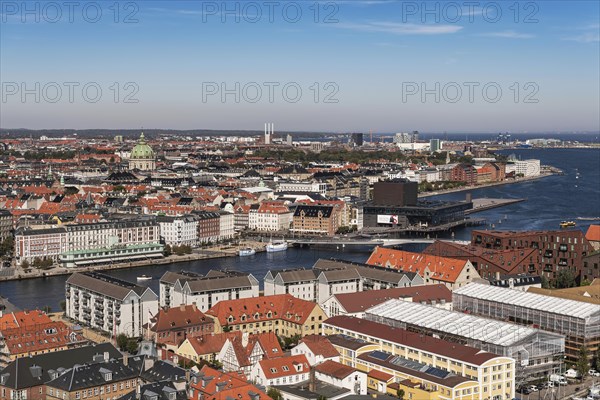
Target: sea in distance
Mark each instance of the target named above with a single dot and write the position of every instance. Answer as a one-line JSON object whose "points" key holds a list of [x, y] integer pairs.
{"points": [[550, 200]]}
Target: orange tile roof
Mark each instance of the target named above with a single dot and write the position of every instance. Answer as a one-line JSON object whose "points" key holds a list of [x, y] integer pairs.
{"points": [[179, 317], [440, 268], [40, 337], [23, 318], [211, 344], [284, 366], [593, 233], [320, 345], [379, 375], [236, 386], [334, 369], [266, 308]]}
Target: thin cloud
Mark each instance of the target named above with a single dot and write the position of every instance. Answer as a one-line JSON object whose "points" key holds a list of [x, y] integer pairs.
{"points": [[589, 37], [400, 29], [508, 35]]}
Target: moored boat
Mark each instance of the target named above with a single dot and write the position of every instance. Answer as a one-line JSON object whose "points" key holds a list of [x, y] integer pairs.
{"points": [[248, 251], [144, 278], [273, 247]]}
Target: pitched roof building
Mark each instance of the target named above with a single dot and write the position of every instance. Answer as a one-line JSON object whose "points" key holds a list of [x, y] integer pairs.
{"points": [[283, 314], [451, 272]]}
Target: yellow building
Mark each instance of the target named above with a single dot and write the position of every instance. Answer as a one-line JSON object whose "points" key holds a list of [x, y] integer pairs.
{"points": [[423, 366], [283, 314]]}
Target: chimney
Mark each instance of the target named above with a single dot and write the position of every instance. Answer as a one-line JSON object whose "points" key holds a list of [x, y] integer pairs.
{"points": [[497, 275], [106, 356], [194, 306], [148, 363], [182, 307], [312, 383], [125, 360], [245, 337]]}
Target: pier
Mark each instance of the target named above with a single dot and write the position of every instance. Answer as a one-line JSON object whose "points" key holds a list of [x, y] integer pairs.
{"points": [[343, 242], [480, 205]]}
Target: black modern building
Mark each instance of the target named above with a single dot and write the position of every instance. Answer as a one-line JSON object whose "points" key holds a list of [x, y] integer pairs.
{"points": [[396, 204]]}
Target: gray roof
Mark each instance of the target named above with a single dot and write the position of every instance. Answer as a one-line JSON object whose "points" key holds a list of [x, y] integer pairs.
{"points": [[92, 375], [296, 275], [19, 373], [365, 271], [172, 277], [159, 389], [334, 275], [105, 285], [218, 283]]}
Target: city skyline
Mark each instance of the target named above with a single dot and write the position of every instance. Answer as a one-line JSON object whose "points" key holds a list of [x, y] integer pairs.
{"points": [[360, 66]]}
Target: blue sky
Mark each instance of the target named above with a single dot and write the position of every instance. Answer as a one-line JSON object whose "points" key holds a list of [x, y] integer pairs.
{"points": [[376, 65]]}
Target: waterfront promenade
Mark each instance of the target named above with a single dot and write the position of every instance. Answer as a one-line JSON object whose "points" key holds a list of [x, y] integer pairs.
{"points": [[485, 185], [7, 274]]}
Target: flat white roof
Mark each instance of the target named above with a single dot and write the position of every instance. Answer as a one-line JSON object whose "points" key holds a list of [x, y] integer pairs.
{"points": [[456, 323], [534, 301]]}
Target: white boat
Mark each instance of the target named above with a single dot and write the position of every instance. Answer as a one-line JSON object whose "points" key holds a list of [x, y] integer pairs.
{"points": [[144, 278], [274, 247], [248, 251]]}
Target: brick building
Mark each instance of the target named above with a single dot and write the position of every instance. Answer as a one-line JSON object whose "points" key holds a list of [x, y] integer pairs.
{"points": [[315, 220], [556, 250], [209, 226]]}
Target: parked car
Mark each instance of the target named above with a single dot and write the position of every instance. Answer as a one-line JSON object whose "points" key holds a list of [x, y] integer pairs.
{"points": [[524, 390], [593, 372], [532, 388], [571, 374]]}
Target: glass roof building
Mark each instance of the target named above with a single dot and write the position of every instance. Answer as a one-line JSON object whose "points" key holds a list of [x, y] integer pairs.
{"points": [[578, 321], [537, 353]]}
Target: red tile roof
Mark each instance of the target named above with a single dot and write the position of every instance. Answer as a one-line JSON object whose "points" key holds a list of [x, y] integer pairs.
{"points": [[593, 233], [179, 317], [320, 345], [266, 308], [335, 369], [357, 302], [411, 339], [284, 366], [441, 268], [379, 375], [236, 386]]}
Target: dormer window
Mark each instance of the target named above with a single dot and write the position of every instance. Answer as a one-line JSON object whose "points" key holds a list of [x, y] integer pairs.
{"points": [[274, 370], [108, 376], [285, 368]]}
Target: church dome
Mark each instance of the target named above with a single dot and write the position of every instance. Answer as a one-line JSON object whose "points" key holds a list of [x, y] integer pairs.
{"points": [[142, 151]]}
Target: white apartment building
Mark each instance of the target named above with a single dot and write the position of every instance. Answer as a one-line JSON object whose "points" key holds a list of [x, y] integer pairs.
{"points": [[528, 167], [206, 291], [85, 244], [226, 225], [177, 231], [270, 217], [109, 304], [303, 187], [330, 277]]}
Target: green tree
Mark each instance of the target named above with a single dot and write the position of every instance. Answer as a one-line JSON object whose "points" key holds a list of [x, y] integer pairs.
{"points": [[132, 346], [25, 264], [400, 393], [47, 309], [585, 282], [122, 341], [583, 365], [274, 394], [322, 397], [167, 251], [565, 279], [63, 305], [545, 282], [7, 246]]}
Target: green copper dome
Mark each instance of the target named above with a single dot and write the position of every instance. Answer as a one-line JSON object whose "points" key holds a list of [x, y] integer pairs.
{"points": [[142, 150]]}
